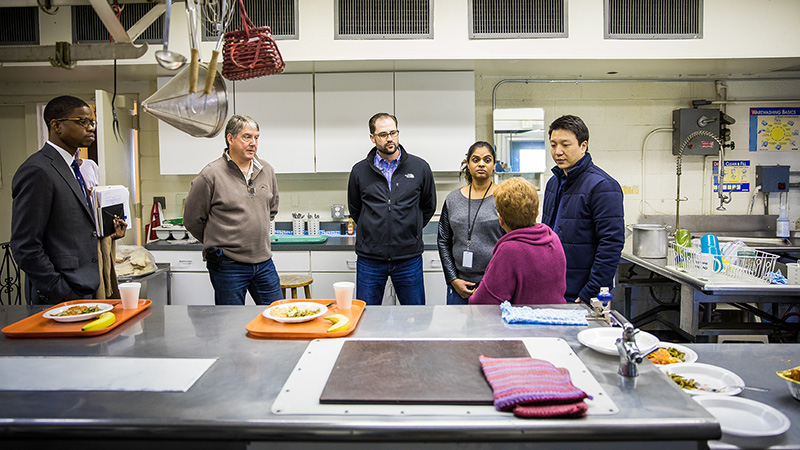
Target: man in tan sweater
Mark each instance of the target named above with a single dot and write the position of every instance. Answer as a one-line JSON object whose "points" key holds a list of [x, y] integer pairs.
{"points": [[229, 208]]}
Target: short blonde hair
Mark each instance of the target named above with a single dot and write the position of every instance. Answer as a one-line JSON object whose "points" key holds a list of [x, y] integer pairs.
{"points": [[517, 201]]}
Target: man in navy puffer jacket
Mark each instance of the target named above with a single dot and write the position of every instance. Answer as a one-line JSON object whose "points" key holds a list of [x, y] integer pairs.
{"points": [[583, 205]]}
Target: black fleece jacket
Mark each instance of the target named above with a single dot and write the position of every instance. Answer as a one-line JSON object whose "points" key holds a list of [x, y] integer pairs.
{"points": [[389, 223]]}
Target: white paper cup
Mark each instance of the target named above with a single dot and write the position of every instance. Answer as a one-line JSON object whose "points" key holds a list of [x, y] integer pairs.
{"points": [[344, 294], [130, 295]]}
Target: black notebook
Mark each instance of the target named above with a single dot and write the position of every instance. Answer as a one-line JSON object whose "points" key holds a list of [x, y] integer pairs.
{"points": [[106, 217]]}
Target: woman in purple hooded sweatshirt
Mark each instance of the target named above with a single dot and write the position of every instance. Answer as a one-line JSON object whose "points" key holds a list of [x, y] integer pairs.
{"points": [[528, 265]]}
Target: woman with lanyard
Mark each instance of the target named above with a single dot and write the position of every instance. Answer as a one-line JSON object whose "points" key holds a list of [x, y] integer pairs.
{"points": [[468, 226]]}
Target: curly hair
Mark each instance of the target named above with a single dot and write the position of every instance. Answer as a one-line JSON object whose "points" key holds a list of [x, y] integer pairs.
{"points": [[465, 163], [517, 201], [60, 107]]}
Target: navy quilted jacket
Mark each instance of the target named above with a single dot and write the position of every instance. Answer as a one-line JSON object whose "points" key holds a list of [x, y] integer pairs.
{"points": [[591, 225]]}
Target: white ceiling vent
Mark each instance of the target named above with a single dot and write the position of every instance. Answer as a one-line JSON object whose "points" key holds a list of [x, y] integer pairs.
{"points": [[88, 28], [384, 19], [492, 19], [19, 26], [654, 19], [279, 15]]}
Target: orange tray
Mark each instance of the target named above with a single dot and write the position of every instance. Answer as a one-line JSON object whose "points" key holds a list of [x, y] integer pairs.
{"points": [[318, 328], [37, 326]]}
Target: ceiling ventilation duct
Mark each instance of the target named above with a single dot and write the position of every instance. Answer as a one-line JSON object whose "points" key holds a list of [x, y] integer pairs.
{"points": [[279, 15], [386, 19], [19, 26], [654, 19], [493, 19]]}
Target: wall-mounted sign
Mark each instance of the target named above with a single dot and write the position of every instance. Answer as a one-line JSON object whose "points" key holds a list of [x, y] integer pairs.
{"points": [[774, 129], [737, 178]]}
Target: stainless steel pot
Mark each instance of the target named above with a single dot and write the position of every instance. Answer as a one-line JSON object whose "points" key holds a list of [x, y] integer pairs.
{"points": [[649, 240]]}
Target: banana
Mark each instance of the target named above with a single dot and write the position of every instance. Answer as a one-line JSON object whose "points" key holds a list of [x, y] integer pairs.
{"points": [[105, 320], [340, 323]]}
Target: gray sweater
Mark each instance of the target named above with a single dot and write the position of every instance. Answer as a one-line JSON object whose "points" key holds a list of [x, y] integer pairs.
{"points": [[223, 211], [453, 231]]}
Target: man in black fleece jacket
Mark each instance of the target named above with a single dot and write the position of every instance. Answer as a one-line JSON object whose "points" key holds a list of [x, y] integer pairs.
{"points": [[391, 197]]}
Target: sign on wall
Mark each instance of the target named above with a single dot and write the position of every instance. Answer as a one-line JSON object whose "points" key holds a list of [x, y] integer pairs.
{"points": [[736, 176], [774, 129]]}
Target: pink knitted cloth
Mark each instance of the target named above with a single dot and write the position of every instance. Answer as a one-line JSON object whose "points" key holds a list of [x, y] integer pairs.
{"points": [[533, 388]]}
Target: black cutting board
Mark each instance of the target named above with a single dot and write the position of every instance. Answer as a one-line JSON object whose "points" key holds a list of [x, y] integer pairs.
{"points": [[418, 372]]}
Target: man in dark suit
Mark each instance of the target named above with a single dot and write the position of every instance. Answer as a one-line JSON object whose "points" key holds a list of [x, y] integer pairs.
{"points": [[52, 225]]}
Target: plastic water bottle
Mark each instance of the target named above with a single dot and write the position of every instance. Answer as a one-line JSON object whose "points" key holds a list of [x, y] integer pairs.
{"points": [[604, 296]]}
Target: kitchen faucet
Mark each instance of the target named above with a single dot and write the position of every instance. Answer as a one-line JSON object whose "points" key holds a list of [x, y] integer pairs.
{"points": [[629, 354], [722, 198]]}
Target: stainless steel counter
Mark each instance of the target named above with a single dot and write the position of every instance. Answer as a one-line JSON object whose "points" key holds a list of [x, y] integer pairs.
{"points": [[232, 401], [696, 291]]}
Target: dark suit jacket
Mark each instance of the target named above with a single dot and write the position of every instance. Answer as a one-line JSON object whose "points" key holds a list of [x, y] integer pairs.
{"points": [[52, 230]]}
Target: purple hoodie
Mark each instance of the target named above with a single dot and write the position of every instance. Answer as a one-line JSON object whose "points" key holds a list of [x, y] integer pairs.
{"points": [[528, 266]]}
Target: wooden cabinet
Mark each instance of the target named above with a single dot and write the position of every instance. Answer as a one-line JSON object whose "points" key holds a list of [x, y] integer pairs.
{"points": [[344, 103]]}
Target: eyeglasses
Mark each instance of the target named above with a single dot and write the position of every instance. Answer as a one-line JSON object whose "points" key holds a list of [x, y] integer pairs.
{"points": [[385, 135], [250, 188], [82, 121]]}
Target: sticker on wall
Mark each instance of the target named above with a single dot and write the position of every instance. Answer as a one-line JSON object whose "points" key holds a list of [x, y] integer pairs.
{"points": [[774, 129], [737, 178]]}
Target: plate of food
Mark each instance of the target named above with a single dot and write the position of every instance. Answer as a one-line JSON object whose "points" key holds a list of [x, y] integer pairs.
{"points": [[702, 379], [669, 353], [295, 312], [604, 340], [77, 312]]}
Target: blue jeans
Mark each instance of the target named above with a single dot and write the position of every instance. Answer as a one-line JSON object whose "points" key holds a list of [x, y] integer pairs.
{"points": [[454, 299], [234, 279], [371, 276]]}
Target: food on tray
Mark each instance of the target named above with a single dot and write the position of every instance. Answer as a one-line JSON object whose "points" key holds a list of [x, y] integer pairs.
{"points": [[340, 323], [105, 320], [667, 355], [294, 311], [686, 383], [792, 374], [77, 309]]}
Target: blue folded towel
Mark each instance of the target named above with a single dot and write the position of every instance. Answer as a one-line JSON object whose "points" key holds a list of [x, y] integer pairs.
{"points": [[543, 316]]}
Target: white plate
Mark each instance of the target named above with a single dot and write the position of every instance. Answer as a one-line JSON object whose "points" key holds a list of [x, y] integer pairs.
{"points": [[78, 317], [604, 340], [744, 422], [706, 376], [268, 312], [689, 355]]}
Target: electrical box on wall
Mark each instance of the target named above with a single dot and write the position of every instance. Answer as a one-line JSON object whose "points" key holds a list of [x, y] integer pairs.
{"points": [[773, 178], [687, 121]]}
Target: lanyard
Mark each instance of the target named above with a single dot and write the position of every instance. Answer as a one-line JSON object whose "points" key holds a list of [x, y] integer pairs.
{"points": [[471, 226]]}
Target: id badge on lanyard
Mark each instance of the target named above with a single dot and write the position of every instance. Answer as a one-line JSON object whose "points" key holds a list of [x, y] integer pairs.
{"points": [[467, 259]]}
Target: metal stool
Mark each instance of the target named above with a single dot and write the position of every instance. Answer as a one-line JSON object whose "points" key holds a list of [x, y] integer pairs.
{"points": [[295, 281]]}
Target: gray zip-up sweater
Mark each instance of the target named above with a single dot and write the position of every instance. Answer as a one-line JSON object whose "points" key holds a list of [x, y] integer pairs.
{"points": [[227, 211]]}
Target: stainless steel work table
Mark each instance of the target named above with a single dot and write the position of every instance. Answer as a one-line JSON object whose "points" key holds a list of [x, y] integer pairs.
{"points": [[231, 401], [695, 291]]}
